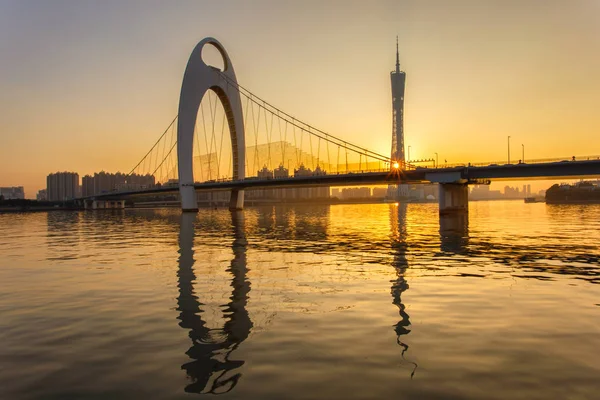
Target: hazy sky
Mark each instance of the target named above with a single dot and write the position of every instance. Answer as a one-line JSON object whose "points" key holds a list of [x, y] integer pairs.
{"points": [[90, 85]]}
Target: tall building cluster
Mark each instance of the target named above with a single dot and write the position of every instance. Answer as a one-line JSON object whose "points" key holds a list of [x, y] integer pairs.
{"points": [[483, 192], [62, 186], [320, 192], [289, 194], [275, 194], [12, 193], [415, 192], [104, 182]]}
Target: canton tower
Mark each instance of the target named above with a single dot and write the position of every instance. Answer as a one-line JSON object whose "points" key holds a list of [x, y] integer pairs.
{"points": [[398, 83]]}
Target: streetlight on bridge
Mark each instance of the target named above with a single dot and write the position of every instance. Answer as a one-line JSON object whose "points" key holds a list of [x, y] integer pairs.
{"points": [[436, 160], [408, 154], [509, 149], [523, 153]]}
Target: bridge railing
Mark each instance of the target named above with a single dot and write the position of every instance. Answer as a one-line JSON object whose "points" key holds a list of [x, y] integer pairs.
{"points": [[386, 169], [515, 162], [256, 178]]}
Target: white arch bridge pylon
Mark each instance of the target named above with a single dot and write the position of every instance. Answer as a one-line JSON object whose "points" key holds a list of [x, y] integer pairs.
{"points": [[197, 80]]}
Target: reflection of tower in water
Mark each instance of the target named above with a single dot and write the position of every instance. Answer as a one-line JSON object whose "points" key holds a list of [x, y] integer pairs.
{"points": [[210, 368], [400, 285]]}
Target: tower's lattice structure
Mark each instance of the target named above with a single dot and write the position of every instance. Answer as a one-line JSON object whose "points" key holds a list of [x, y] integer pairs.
{"points": [[398, 83]]}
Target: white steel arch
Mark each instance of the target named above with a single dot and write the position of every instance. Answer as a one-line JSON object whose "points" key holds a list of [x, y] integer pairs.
{"points": [[197, 80]]}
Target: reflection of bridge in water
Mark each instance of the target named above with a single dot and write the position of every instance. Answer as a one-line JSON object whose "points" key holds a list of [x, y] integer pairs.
{"points": [[211, 369], [213, 366]]}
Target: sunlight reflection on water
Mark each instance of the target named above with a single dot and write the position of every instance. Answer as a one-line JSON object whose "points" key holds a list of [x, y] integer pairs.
{"points": [[345, 301]]}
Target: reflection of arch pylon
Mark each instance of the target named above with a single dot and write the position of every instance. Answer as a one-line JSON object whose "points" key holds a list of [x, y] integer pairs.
{"points": [[197, 80]]}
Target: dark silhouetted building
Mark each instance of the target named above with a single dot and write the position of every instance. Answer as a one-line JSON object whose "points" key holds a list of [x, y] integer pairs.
{"points": [[105, 182], [12, 192], [61, 186], [42, 195]]}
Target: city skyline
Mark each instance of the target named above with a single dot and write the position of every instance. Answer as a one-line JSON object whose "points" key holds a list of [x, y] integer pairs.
{"points": [[98, 97], [300, 199]]}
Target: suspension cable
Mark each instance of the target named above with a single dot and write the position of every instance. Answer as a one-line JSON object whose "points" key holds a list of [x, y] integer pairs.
{"points": [[152, 148], [329, 137]]}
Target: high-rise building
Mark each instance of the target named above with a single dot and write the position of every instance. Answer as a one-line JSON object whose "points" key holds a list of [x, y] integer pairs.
{"points": [[105, 182], [305, 193], [12, 192], [265, 173], [281, 173], [42, 195], [137, 182], [288, 194], [87, 186], [61, 186]]}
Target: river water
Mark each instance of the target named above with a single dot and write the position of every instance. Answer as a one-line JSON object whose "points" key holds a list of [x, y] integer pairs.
{"points": [[302, 302]]}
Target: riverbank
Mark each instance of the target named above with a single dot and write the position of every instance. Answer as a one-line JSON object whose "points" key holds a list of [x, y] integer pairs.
{"points": [[35, 209], [25, 205]]}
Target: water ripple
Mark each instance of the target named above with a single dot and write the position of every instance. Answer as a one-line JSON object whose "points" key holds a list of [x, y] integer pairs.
{"points": [[345, 301]]}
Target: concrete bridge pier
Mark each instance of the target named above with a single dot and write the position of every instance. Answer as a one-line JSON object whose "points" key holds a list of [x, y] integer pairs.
{"points": [[453, 198], [189, 201], [453, 191], [236, 201]]}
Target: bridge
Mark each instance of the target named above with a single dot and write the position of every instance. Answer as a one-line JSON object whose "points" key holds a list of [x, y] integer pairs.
{"points": [[225, 137]]}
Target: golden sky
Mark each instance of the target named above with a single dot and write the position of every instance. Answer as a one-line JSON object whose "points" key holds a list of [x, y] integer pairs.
{"points": [[89, 86]]}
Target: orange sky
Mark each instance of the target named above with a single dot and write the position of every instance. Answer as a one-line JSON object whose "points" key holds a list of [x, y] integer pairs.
{"points": [[90, 86]]}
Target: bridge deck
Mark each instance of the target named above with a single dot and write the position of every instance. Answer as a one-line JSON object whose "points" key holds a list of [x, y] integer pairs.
{"points": [[465, 174]]}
